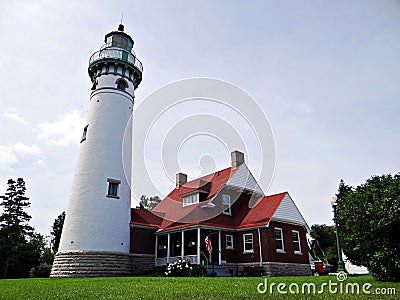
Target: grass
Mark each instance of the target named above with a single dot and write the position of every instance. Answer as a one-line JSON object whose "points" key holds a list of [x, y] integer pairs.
{"points": [[177, 288]]}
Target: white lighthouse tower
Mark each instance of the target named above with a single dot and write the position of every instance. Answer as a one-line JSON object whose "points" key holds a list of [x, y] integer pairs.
{"points": [[95, 239]]}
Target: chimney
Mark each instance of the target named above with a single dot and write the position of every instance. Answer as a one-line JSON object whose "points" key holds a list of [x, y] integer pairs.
{"points": [[237, 158], [180, 179]]}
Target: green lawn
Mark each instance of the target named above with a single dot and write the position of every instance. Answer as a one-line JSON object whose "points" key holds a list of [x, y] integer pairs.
{"points": [[181, 288]]}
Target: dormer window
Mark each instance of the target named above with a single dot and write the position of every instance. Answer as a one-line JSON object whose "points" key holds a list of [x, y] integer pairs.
{"points": [[226, 205], [121, 84], [191, 199]]}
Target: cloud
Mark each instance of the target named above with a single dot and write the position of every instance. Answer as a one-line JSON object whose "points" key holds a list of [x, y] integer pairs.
{"points": [[13, 115], [304, 108], [292, 106], [11, 154], [64, 132]]}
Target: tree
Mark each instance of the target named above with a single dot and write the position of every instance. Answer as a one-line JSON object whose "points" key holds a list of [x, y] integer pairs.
{"points": [[14, 227], [42, 257], [56, 231], [350, 222], [26, 256], [148, 203], [14, 218], [369, 220], [324, 244]]}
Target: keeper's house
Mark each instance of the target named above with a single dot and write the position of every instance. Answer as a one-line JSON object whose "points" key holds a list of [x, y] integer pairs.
{"points": [[251, 234]]}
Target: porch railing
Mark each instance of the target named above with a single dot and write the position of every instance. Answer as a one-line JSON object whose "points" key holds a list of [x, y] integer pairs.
{"points": [[164, 260]]}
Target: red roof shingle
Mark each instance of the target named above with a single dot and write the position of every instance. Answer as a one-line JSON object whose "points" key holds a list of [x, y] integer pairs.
{"points": [[171, 214]]}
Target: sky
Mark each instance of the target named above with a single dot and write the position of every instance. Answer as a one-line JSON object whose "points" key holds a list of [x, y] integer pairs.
{"points": [[325, 74]]}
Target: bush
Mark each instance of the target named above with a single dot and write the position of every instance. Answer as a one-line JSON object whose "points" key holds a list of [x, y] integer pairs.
{"points": [[32, 273], [198, 271], [43, 270], [183, 268]]}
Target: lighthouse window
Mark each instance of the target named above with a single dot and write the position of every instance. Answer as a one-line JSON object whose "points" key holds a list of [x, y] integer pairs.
{"points": [[84, 133], [112, 190], [121, 84]]}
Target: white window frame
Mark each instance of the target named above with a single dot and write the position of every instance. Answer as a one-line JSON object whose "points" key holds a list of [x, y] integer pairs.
{"points": [[279, 250], [296, 241], [113, 182], [229, 241], [190, 199], [226, 205], [244, 243]]}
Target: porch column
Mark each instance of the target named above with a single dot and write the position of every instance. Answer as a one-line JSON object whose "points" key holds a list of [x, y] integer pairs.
{"points": [[183, 244], [219, 247], [156, 250], [198, 245], [260, 246], [168, 248]]}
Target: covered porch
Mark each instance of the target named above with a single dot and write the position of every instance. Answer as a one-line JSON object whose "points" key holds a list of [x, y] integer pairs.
{"points": [[188, 244]]}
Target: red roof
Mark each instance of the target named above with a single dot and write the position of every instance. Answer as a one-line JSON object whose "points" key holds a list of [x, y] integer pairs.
{"points": [[171, 214], [263, 210], [210, 184], [145, 217], [170, 209], [245, 217]]}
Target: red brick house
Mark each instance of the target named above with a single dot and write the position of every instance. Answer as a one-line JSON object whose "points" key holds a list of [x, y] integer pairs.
{"points": [[250, 233]]}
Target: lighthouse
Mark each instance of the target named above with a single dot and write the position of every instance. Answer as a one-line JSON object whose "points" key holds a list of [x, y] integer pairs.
{"points": [[95, 240]]}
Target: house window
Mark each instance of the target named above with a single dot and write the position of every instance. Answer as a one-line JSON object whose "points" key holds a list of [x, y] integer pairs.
{"points": [[84, 133], [226, 204], [229, 241], [248, 243], [112, 190], [191, 199], [296, 241], [121, 84], [280, 247]]}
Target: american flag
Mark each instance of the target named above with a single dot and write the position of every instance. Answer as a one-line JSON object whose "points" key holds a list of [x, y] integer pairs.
{"points": [[207, 240]]}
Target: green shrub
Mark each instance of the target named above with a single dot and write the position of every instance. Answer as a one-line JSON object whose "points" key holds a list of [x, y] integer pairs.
{"points": [[32, 273], [183, 268], [43, 270], [198, 271]]}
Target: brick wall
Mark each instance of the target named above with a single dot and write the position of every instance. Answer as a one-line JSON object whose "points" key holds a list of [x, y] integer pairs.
{"points": [[269, 246], [142, 241]]}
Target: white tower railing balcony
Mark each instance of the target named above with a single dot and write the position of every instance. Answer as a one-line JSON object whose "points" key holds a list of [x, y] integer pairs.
{"points": [[116, 53]]}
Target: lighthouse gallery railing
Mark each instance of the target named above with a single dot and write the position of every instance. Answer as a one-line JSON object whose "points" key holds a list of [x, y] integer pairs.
{"points": [[116, 54]]}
